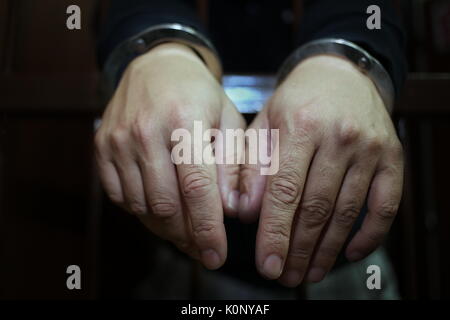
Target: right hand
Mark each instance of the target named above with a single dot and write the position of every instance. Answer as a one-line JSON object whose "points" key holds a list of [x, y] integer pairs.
{"points": [[165, 89]]}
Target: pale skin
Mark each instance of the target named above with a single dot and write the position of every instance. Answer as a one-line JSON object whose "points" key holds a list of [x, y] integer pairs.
{"points": [[337, 146]]}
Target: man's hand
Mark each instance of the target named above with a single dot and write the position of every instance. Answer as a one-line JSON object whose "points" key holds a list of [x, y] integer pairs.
{"points": [[168, 88], [337, 146]]}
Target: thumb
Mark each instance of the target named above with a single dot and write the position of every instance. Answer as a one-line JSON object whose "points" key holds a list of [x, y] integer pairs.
{"points": [[252, 182], [230, 149]]}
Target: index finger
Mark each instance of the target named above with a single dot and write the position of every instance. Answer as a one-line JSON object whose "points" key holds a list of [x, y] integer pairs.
{"points": [[281, 198], [201, 198]]}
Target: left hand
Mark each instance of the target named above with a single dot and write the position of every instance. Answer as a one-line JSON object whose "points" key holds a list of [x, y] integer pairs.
{"points": [[337, 147]]}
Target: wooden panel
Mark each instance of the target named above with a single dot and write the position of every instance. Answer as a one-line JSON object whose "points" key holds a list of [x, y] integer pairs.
{"points": [[425, 94], [58, 93], [44, 44], [46, 206], [441, 173], [48, 192], [3, 32]]}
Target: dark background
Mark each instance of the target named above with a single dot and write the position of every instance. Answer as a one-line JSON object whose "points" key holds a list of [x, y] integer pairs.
{"points": [[52, 211]]}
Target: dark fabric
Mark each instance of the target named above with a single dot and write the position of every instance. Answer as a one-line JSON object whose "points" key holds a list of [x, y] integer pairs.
{"points": [[256, 36], [127, 18], [347, 19]]}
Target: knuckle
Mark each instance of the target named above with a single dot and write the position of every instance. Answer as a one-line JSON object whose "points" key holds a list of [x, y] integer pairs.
{"points": [[196, 184], [179, 116], [387, 212], [392, 169], [99, 142], [306, 120], [136, 207], [397, 150], [284, 189], [349, 133], [141, 132], [204, 230], [115, 197], [277, 231], [346, 216], [300, 253], [330, 252], [315, 210], [118, 139], [375, 237], [163, 207], [374, 144], [100, 150]]}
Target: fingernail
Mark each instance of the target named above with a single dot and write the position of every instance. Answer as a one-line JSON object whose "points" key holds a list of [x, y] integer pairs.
{"points": [[233, 200], [210, 259], [243, 202], [355, 256], [272, 267], [291, 278], [316, 274]]}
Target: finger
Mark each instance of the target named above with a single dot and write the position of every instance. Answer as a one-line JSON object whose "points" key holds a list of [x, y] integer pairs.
{"points": [[347, 208], [166, 218], [203, 202], [280, 201], [322, 186], [108, 175], [230, 150], [383, 201], [252, 182], [129, 173], [200, 193]]}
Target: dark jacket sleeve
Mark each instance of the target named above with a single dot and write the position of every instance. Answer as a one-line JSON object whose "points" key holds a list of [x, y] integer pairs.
{"points": [[346, 19], [126, 18]]}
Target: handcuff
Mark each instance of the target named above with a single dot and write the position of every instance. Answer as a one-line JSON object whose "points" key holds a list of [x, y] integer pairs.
{"points": [[365, 63], [150, 38]]}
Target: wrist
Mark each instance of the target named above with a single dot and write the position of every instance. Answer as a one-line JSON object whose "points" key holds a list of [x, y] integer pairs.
{"points": [[332, 80], [171, 49], [350, 51], [330, 64], [333, 73], [139, 44]]}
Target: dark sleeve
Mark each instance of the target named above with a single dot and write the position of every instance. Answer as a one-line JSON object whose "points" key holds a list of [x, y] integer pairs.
{"points": [[346, 19], [126, 18]]}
